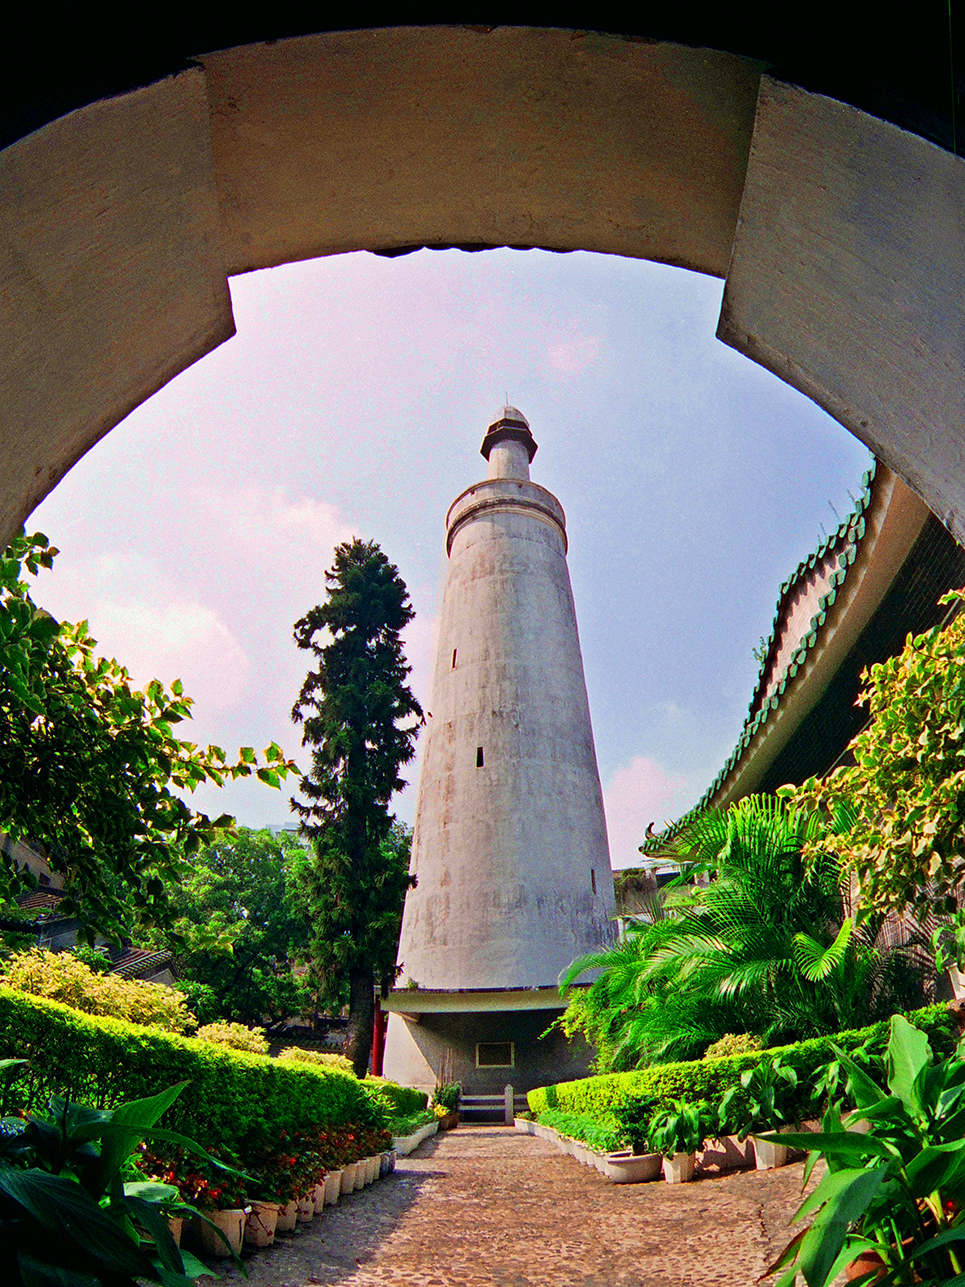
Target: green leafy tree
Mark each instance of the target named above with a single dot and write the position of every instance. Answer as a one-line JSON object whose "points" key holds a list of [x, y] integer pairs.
{"points": [[900, 807], [361, 720], [241, 894], [89, 766]]}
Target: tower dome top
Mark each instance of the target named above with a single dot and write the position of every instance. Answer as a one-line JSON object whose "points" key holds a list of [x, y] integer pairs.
{"points": [[509, 425], [512, 414]]}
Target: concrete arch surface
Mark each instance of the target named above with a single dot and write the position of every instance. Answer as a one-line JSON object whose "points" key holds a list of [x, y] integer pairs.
{"points": [[839, 234]]}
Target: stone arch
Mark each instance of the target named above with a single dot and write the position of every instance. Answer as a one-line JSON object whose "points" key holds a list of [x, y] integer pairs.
{"points": [[839, 235]]}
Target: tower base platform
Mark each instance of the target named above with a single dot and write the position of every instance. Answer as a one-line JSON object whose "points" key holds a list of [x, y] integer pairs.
{"points": [[483, 1049]]}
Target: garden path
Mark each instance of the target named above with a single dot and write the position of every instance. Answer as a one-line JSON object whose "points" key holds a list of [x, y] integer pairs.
{"points": [[484, 1206]]}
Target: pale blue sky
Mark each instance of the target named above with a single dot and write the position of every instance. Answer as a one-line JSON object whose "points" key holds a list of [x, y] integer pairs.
{"points": [[353, 402]]}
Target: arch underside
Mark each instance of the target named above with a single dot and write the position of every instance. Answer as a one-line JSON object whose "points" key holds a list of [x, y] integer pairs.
{"points": [[839, 234]]}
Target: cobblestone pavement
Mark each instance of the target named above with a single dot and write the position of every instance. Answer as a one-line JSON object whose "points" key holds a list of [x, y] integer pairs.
{"points": [[488, 1207]]}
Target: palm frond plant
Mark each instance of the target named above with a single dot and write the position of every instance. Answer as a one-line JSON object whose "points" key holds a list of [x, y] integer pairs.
{"points": [[765, 942]]}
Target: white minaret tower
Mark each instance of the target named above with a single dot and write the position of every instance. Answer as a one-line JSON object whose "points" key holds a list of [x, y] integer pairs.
{"points": [[510, 847]]}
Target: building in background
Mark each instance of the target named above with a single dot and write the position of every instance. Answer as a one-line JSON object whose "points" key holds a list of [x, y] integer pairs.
{"points": [[851, 604]]}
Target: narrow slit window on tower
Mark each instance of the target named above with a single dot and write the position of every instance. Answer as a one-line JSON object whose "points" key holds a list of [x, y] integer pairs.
{"points": [[593, 879], [454, 658], [479, 757]]}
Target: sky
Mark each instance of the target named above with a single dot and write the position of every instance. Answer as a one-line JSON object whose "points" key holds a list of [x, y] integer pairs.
{"points": [[353, 402]]}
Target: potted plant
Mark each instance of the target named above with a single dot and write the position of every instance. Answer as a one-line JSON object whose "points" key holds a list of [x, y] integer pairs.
{"points": [[638, 1163], [762, 1102], [892, 1203], [448, 1097], [274, 1167], [633, 1117], [677, 1132], [327, 1145], [220, 1200]]}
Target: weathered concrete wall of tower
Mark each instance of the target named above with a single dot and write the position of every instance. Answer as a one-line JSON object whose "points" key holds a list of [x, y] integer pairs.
{"points": [[510, 846]]}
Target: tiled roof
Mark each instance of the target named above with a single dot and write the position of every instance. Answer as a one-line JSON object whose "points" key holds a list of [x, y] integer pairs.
{"points": [[841, 547], [40, 900], [136, 962]]}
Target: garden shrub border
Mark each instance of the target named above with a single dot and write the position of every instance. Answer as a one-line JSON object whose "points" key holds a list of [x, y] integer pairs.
{"points": [[232, 1095], [398, 1101], [709, 1079]]}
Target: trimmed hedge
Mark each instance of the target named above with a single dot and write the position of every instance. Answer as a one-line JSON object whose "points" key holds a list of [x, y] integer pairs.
{"points": [[399, 1101], [232, 1095], [577, 1126], [709, 1078]]}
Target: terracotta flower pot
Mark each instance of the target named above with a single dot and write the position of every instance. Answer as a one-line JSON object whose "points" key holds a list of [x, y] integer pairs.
{"points": [[866, 1263], [333, 1187], [287, 1217], [318, 1194], [306, 1207], [261, 1224], [348, 1177]]}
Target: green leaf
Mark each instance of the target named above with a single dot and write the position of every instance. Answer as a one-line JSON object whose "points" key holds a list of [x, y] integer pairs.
{"points": [[841, 1145], [156, 1226], [909, 1056], [151, 1191], [940, 1240], [40, 1273], [65, 1209], [936, 1167], [816, 963], [843, 1197]]}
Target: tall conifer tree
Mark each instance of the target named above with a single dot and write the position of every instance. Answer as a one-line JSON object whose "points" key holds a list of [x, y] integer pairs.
{"points": [[361, 721]]}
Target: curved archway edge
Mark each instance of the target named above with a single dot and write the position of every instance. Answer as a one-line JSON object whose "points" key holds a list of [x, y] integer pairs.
{"points": [[839, 235]]}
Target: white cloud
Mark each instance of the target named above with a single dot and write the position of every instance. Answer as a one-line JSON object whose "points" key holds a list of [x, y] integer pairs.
{"points": [[573, 356], [151, 625], [177, 639], [638, 794], [257, 518]]}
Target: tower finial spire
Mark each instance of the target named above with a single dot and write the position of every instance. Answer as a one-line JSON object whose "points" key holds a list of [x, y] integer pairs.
{"points": [[511, 433]]}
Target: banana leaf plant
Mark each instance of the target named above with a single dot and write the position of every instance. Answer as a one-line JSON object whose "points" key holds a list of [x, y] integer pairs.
{"points": [[893, 1198], [68, 1218]]}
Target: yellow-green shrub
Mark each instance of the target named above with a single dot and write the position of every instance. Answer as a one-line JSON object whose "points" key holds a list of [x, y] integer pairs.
{"points": [[321, 1058], [733, 1043], [61, 976], [235, 1036]]}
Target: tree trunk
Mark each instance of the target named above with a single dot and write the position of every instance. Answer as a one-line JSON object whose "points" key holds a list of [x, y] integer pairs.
{"points": [[361, 1018]]}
